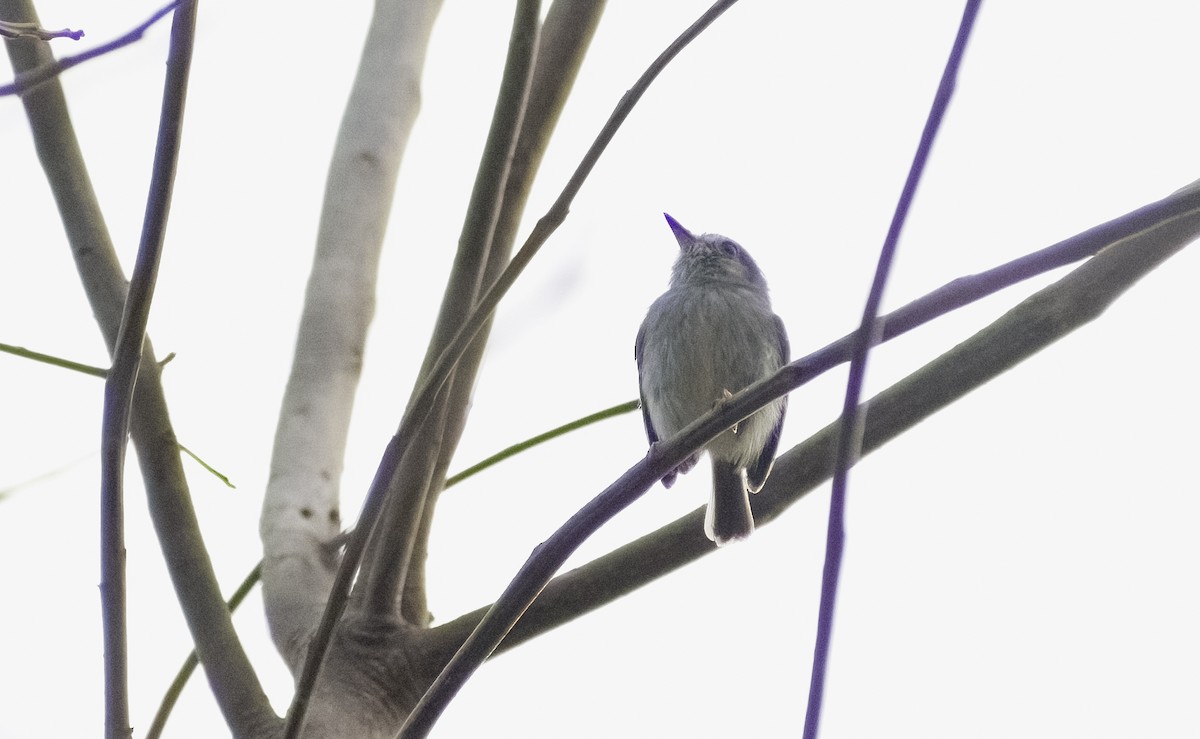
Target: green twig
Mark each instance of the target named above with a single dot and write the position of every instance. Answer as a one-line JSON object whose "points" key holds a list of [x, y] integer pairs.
{"points": [[43, 476], [50, 359], [500, 456], [208, 467], [189, 665]]}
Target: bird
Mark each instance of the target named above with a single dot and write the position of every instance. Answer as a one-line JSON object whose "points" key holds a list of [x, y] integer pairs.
{"points": [[710, 335]]}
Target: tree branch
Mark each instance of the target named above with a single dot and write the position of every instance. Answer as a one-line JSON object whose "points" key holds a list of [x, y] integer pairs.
{"points": [[233, 680], [1126, 249], [563, 41], [121, 380], [389, 554], [566, 35], [849, 446], [300, 510]]}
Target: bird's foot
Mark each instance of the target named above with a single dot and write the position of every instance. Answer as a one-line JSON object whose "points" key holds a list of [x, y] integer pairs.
{"points": [[725, 397]]}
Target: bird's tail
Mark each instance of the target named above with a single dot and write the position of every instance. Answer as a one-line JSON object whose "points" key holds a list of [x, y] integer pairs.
{"points": [[728, 516]]}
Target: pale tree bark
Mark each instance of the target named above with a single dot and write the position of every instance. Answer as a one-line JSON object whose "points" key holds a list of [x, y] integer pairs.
{"points": [[301, 516]]}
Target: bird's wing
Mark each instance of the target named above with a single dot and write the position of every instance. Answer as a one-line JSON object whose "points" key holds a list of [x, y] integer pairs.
{"points": [[637, 355], [756, 475]]}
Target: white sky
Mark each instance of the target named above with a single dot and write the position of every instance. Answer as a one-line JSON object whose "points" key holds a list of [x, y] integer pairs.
{"points": [[1021, 564]]}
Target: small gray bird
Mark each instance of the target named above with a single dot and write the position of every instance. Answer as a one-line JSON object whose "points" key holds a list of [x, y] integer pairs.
{"points": [[712, 334]]}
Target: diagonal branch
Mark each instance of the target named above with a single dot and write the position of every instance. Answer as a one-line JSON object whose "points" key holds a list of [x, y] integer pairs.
{"points": [[564, 40], [565, 36], [387, 561], [1125, 249]]}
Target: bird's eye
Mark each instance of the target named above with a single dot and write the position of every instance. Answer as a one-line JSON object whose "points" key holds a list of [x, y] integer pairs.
{"points": [[729, 248]]}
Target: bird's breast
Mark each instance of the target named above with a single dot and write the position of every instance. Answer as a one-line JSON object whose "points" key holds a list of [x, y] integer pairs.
{"points": [[699, 343]]}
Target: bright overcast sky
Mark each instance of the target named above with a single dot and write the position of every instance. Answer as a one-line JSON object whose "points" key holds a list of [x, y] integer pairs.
{"points": [[1021, 564]]}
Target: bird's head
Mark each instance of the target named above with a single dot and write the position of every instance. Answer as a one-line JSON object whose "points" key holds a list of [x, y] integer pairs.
{"points": [[712, 258]]}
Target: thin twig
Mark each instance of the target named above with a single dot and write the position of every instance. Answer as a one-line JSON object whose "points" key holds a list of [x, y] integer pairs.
{"points": [[191, 662], [88, 369], [9, 29], [620, 409], [50, 359], [850, 438], [54, 361], [25, 81], [208, 467]]}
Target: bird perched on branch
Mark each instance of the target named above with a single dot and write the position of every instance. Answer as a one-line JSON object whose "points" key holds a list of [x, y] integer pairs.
{"points": [[711, 334]]}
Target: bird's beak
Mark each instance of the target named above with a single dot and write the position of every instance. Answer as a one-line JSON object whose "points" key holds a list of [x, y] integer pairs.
{"points": [[682, 235]]}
